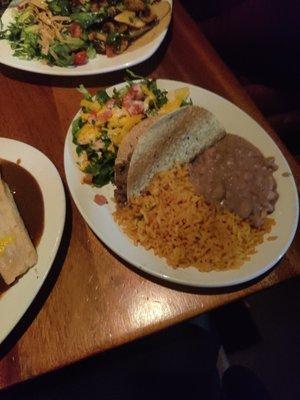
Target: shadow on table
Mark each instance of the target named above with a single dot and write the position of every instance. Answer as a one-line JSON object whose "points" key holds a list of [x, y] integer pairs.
{"points": [[172, 364], [46, 288], [99, 80]]}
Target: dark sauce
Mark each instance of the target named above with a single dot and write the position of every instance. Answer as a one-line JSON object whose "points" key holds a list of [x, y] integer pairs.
{"points": [[29, 200]]}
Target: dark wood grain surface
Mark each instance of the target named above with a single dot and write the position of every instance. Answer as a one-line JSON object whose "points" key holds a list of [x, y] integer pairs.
{"points": [[91, 300]]}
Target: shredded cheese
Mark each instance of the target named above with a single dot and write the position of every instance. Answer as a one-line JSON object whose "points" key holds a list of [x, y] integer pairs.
{"points": [[48, 26]]}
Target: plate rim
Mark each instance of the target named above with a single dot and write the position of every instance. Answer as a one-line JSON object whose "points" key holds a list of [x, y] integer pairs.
{"points": [[238, 281], [54, 250], [65, 72]]}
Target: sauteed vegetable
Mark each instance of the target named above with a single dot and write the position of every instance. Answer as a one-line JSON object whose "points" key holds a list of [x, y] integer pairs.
{"points": [[70, 32]]}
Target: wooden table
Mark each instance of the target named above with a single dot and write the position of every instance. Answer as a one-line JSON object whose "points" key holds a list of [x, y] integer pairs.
{"points": [[92, 302]]}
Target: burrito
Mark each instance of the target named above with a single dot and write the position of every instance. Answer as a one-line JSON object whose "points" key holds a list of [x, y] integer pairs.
{"points": [[17, 253]]}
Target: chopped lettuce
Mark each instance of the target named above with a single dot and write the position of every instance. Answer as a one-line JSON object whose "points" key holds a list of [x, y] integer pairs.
{"points": [[102, 96], [60, 7], [25, 42], [64, 57], [160, 95], [87, 19], [76, 126], [91, 52], [84, 92], [99, 161], [74, 43], [102, 168]]}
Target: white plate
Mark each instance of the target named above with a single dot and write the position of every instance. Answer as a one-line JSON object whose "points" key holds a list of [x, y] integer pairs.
{"points": [[15, 301], [236, 121], [99, 65]]}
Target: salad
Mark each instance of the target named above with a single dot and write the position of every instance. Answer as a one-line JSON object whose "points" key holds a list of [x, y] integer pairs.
{"points": [[106, 119], [71, 32]]}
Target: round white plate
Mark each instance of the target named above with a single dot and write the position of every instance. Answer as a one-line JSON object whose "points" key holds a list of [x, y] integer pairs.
{"points": [[15, 301], [234, 120], [99, 65]]}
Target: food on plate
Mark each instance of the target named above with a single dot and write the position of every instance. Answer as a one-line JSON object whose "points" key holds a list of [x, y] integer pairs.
{"points": [[175, 137], [17, 253], [236, 175], [179, 225], [194, 194], [106, 120], [71, 32], [184, 188], [124, 155], [100, 199]]}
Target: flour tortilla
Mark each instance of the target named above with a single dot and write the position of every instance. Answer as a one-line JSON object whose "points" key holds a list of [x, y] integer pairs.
{"points": [[176, 137]]}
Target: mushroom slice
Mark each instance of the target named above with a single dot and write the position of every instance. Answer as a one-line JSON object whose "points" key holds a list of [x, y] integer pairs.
{"points": [[135, 33], [129, 18], [160, 9], [147, 15], [122, 47], [135, 5]]}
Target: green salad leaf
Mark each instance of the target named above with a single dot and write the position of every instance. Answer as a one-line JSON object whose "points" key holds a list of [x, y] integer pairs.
{"points": [[130, 75], [76, 126], [59, 7], [87, 19], [102, 96], [91, 52], [74, 43], [25, 47], [64, 57], [160, 95], [84, 92], [114, 39], [102, 168], [187, 102]]}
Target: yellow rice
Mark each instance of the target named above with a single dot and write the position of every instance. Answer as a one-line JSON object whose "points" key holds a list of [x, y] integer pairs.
{"points": [[177, 224]]}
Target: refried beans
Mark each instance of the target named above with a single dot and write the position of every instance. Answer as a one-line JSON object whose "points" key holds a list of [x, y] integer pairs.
{"points": [[235, 174]]}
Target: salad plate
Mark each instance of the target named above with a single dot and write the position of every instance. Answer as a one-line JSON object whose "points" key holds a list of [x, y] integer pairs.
{"points": [[101, 220], [140, 50], [16, 299]]}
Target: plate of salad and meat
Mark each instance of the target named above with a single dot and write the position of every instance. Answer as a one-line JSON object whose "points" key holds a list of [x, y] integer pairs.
{"points": [[150, 166], [81, 37]]}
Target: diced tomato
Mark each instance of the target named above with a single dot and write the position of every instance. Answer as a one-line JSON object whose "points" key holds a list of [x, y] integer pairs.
{"points": [[104, 116], [135, 107], [137, 92], [80, 58], [127, 99], [132, 101], [110, 51], [110, 103], [75, 30], [100, 199]]}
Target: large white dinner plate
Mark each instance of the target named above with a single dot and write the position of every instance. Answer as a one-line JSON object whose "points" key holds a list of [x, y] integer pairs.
{"points": [[99, 65], [235, 120], [15, 301]]}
